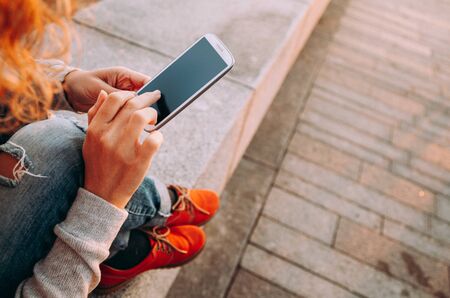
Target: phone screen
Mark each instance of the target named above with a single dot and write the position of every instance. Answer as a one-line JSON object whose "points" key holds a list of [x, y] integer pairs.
{"points": [[183, 78]]}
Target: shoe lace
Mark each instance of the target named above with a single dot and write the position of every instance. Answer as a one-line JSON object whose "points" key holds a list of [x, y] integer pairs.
{"points": [[159, 234], [184, 200]]}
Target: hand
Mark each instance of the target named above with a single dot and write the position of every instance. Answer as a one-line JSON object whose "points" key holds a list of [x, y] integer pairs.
{"points": [[115, 160], [82, 87]]}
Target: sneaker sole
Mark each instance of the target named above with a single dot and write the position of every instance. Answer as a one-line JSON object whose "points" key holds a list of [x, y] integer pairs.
{"points": [[119, 286]]}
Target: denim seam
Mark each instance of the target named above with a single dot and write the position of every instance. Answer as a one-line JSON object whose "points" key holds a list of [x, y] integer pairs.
{"points": [[142, 211]]}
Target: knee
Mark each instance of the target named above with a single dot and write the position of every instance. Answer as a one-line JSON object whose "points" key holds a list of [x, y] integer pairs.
{"points": [[51, 147]]}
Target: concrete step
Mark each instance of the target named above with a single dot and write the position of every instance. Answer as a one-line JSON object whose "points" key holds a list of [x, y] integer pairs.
{"points": [[203, 144]]}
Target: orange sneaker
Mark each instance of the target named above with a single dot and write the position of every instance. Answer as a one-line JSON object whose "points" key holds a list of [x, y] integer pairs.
{"points": [[193, 207], [171, 247]]}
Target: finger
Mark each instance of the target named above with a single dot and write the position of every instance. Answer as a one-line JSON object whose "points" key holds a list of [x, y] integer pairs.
{"points": [[151, 144], [94, 109], [122, 78], [137, 79], [139, 120], [112, 105], [139, 102], [144, 100]]}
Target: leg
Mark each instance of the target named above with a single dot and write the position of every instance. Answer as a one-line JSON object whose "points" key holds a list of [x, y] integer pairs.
{"points": [[32, 206]]}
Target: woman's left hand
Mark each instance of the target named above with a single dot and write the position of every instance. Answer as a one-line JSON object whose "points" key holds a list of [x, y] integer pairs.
{"points": [[82, 87]]}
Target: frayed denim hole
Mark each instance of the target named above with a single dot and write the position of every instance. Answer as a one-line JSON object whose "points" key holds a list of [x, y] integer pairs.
{"points": [[18, 154]]}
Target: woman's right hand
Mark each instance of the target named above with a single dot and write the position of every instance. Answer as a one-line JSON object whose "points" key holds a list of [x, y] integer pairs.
{"points": [[116, 161]]}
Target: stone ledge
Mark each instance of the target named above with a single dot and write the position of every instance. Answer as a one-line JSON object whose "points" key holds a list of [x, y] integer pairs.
{"points": [[204, 143]]}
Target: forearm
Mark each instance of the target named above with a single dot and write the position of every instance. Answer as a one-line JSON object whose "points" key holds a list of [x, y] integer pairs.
{"points": [[71, 269]]}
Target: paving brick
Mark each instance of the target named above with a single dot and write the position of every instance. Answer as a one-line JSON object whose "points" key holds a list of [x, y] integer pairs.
{"points": [[421, 179], [372, 8], [347, 39], [328, 200], [340, 81], [288, 276], [354, 135], [248, 285], [395, 100], [404, 82], [387, 40], [440, 230], [383, 74], [407, 79], [431, 128], [351, 38], [346, 53], [417, 241], [355, 107], [378, 22], [349, 117], [301, 215], [441, 119], [331, 264], [443, 207], [341, 87], [378, 18], [397, 187], [390, 36], [342, 144], [429, 151], [424, 135], [394, 62], [430, 169], [392, 258], [434, 21], [325, 155], [403, 17], [351, 190]]}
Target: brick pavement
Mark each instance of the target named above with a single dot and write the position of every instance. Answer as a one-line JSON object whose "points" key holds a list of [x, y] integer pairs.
{"points": [[360, 203], [345, 188]]}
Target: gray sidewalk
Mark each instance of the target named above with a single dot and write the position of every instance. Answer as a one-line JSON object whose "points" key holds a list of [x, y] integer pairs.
{"points": [[345, 189]]}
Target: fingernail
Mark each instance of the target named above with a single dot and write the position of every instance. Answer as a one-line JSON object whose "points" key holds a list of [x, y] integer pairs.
{"points": [[157, 92], [102, 93]]}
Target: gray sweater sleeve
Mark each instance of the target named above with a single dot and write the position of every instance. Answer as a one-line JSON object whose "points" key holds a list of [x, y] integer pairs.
{"points": [[71, 268]]}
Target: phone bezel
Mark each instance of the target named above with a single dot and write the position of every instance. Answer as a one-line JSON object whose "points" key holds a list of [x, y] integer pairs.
{"points": [[223, 52]]}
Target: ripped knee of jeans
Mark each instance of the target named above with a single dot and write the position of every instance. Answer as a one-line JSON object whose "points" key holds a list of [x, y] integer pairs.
{"points": [[23, 165]]}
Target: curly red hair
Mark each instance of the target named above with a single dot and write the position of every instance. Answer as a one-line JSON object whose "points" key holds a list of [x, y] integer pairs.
{"points": [[30, 29]]}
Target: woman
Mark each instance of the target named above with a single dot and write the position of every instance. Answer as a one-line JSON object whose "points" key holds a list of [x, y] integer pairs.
{"points": [[72, 197]]}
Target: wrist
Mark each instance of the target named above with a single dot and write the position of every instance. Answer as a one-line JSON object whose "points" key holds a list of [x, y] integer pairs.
{"points": [[67, 83], [67, 80], [109, 196]]}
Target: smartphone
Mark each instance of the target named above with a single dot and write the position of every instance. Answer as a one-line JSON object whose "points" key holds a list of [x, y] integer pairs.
{"points": [[188, 76]]}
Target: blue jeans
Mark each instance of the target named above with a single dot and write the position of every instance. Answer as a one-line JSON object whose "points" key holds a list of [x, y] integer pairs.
{"points": [[32, 205]]}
